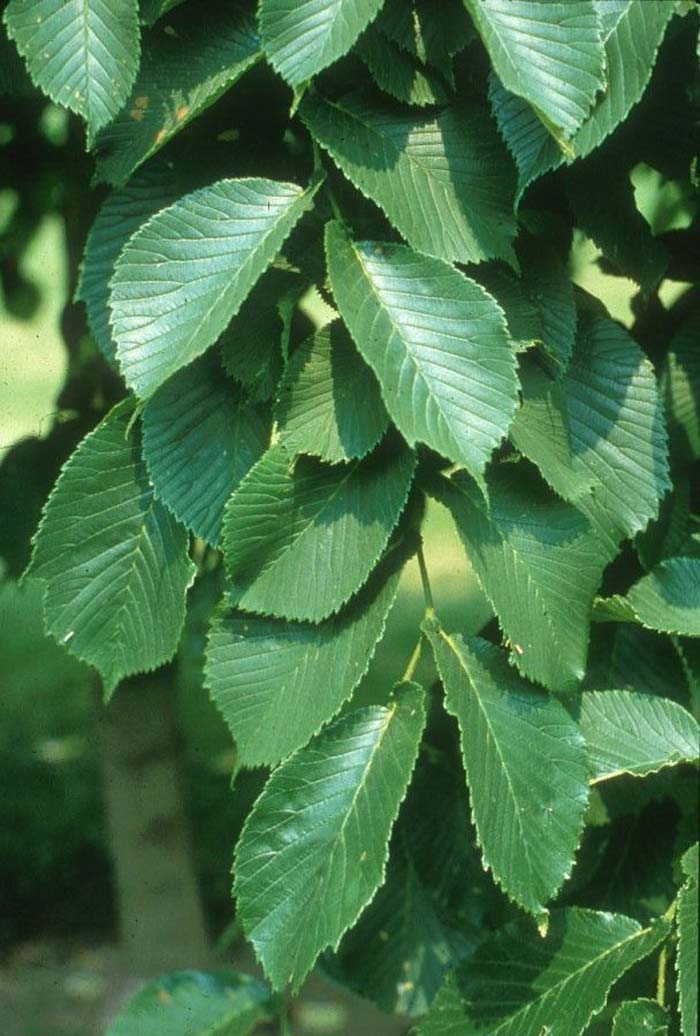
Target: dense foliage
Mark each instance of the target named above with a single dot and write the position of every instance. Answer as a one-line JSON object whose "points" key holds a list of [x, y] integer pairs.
{"points": [[331, 271]]}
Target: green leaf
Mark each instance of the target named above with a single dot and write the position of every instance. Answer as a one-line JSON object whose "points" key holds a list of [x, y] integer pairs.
{"points": [[618, 431], [519, 984], [688, 950], [681, 390], [185, 68], [436, 341], [152, 10], [200, 437], [314, 848], [641, 1018], [444, 181], [632, 34], [526, 768], [183, 276], [668, 599], [302, 38], [195, 1003], [276, 683], [429, 913], [329, 402], [121, 215], [114, 560], [83, 53], [416, 27], [542, 434], [549, 53], [636, 734], [289, 513], [400, 75], [538, 562]]}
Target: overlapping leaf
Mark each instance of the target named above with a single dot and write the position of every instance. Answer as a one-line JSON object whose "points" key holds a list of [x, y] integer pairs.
{"points": [[292, 517], [549, 53], [519, 984], [83, 53], [329, 401], [314, 848], [681, 389], [632, 33], [183, 276], [200, 437], [539, 563], [302, 38], [276, 683], [114, 560], [195, 1003], [526, 768], [639, 734], [414, 27], [637, 1017], [444, 181], [121, 215], [436, 341], [668, 599], [399, 74], [185, 67], [688, 948]]}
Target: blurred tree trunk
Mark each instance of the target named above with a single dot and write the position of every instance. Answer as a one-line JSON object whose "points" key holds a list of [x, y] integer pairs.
{"points": [[160, 915]]}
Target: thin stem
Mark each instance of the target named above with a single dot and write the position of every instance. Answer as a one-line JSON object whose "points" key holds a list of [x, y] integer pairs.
{"points": [[427, 592], [663, 961], [285, 1025], [413, 661]]}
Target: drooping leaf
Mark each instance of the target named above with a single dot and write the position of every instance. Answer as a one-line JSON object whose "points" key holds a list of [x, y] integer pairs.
{"points": [[121, 215], [632, 34], [669, 535], [526, 768], [113, 559], [636, 659], [444, 181], [436, 341], [314, 848], [276, 683], [329, 401], [681, 390], [302, 38], [668, 598], [688, 948], [640, 1018], [399, 74], [432, 38], [639, 734], [83, 53], [549, 53], [539, 563], [183, 276], [617, 426], [186, 66], [292, 517], [429, 913], [200, 437], [195, 1003], [519, 984]]}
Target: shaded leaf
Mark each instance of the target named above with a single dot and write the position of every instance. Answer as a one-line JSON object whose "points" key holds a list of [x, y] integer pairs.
{"points": [[314, 848], [638, 734], [200, 437], [668, 599], [276, 683], [538, 562], [526, 768], [681, 390], [114, 560], [183, 276], [400, 75], [436, 341], [415, 27], [444, 181], [549, 53], [185, 67], [519, 984], [640, 1018], [291, 517], [687, 955], [83, 53], [329, 401], [195, 1003], [309, 35]]}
